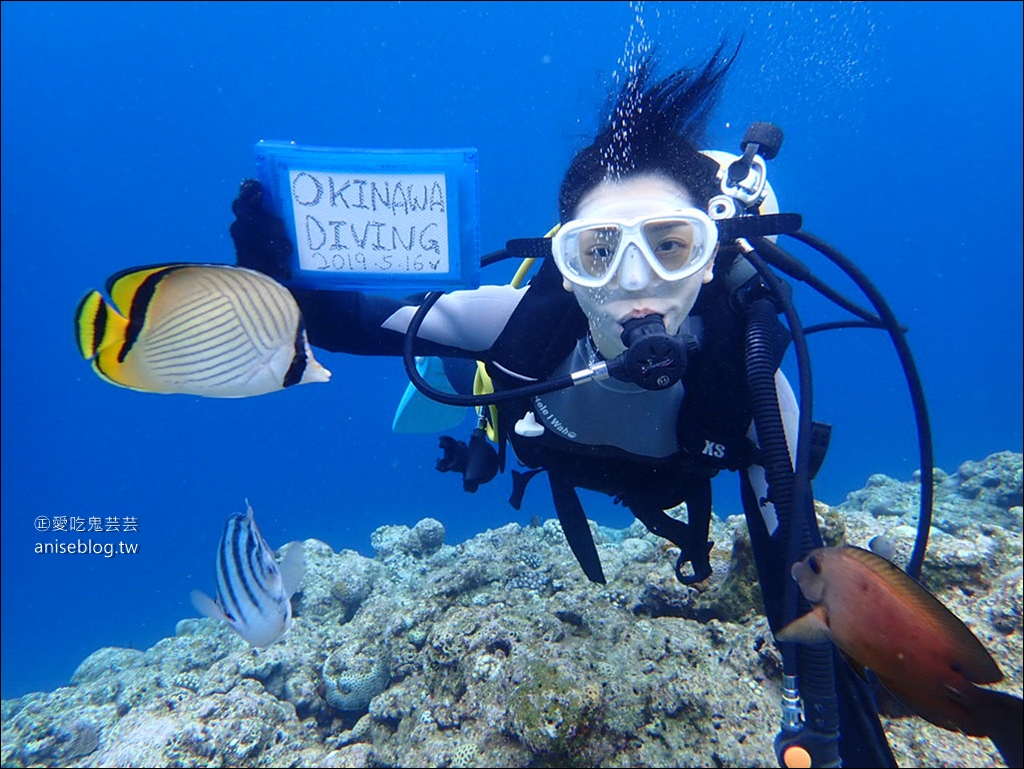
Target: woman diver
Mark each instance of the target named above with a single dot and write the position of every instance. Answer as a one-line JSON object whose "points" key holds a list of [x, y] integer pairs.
{"points": [[649, 299]]}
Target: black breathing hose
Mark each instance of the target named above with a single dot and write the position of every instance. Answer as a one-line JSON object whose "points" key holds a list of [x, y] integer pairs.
{"points": [[421, 384], [924, 430], [789, 490]]}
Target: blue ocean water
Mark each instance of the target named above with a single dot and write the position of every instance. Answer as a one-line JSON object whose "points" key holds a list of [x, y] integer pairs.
{"points": [[127, 128]]}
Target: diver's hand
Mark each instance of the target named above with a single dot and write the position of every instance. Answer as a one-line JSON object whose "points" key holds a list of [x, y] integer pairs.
{"points": [[261, 242]]}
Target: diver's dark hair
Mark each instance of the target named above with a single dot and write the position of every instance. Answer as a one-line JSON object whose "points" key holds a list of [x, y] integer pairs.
{"points": [[653, 129]]}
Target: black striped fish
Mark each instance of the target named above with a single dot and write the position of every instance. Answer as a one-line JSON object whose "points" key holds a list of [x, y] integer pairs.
{"points": [[200, 329], [253, 591]]}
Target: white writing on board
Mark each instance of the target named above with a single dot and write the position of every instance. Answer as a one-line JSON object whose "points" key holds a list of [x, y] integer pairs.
{"points": [[387, 223]]}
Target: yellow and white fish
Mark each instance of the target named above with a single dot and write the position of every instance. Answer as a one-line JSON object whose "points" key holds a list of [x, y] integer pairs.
{"points": [[200, 329]]}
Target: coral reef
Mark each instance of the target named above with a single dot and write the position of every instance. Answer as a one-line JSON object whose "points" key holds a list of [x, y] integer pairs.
{"points": [[498, 652]]}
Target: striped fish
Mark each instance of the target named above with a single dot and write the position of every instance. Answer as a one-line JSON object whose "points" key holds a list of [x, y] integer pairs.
{"points": [[209, 329], [253, 591]]}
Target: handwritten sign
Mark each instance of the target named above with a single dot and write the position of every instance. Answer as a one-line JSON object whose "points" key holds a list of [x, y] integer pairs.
{"points": [[384, 223], [375, 220]]}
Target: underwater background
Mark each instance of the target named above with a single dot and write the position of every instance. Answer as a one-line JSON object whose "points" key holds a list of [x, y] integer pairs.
{"points": [[127, 128]]}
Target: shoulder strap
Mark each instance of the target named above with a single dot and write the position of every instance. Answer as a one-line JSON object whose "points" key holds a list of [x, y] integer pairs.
{"points": [[717, 410], [542, 330]]}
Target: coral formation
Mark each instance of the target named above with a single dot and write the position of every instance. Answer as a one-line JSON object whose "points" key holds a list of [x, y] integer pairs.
{"points": [[351, 680], [498, 652]]}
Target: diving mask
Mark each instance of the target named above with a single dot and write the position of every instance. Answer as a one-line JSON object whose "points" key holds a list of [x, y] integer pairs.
{"points": [[676, 245]]}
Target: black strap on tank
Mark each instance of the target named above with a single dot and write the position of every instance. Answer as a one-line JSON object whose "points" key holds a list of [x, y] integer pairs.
{"points": [[575, 526], [692, 537], [519, 482]]}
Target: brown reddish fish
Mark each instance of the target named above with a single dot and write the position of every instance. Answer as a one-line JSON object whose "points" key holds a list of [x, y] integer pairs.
{"points": [[885, 621]]}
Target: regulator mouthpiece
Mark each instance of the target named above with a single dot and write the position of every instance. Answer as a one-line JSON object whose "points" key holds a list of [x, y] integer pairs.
{"points": [[653, 359]]}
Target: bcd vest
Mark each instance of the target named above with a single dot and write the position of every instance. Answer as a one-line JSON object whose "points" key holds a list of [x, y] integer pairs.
{"points": [[711, 426]]}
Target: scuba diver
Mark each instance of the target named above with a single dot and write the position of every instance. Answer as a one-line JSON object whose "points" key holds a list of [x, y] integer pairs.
{"points": [[640, 360]]}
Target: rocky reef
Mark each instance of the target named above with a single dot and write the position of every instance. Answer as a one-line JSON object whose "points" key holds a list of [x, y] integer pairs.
{"points": [[498, 652]]}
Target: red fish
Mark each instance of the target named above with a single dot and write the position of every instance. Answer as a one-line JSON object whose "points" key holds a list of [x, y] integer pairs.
{"points": [[883, 620]]}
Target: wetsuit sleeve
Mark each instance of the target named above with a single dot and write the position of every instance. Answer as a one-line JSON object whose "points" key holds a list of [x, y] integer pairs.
{"points": [[463, 323], [460, 324]]}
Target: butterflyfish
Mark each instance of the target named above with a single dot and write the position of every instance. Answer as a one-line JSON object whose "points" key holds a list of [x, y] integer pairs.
{"points": [[925, 656], [200, 329], [253, 591]]}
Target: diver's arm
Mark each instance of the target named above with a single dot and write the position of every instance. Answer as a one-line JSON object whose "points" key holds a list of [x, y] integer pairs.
{"points": [[790, 421], [460, 324], [464, 323]]}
